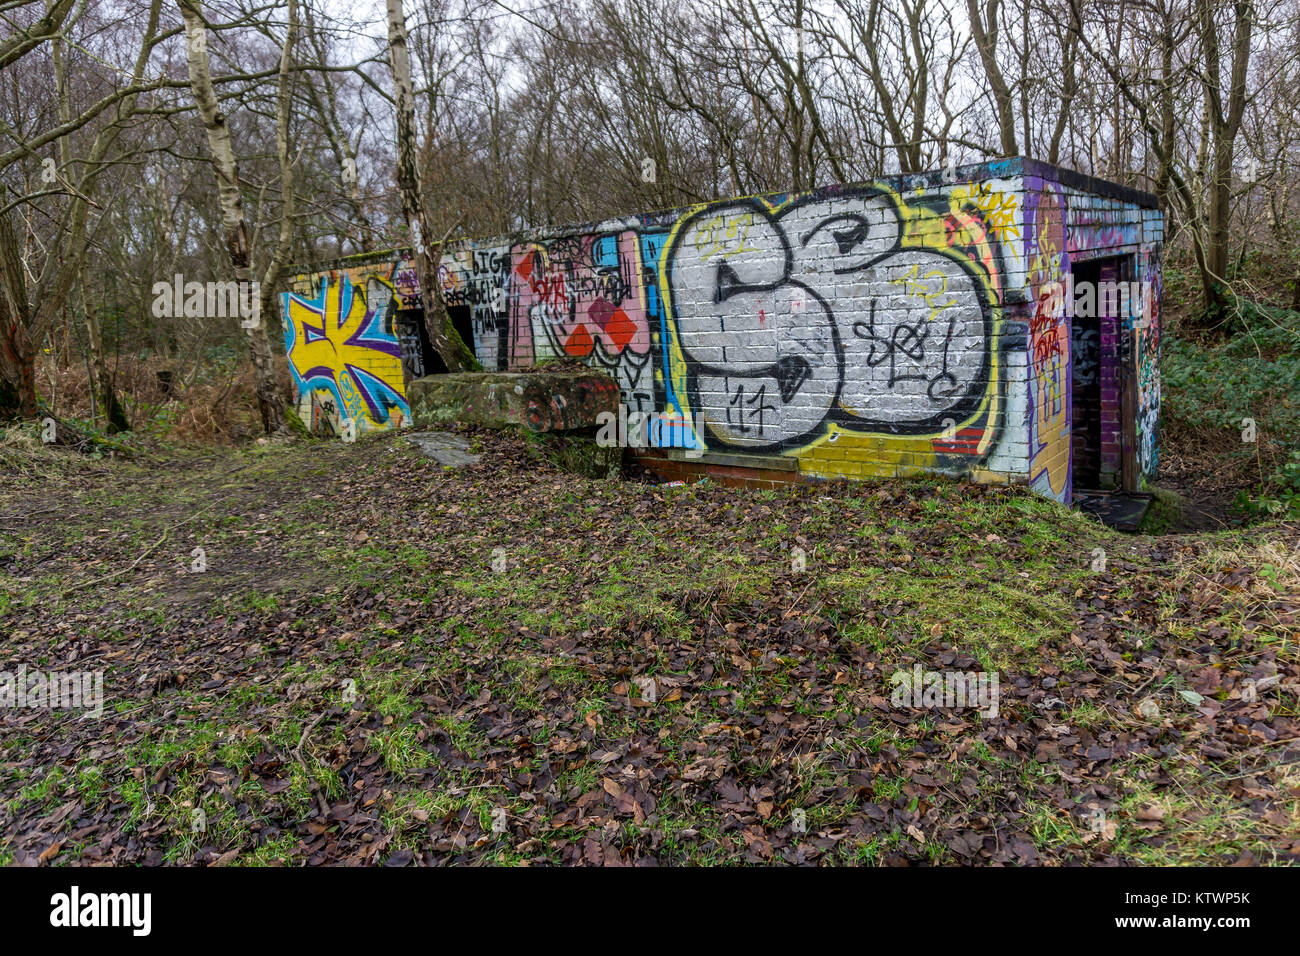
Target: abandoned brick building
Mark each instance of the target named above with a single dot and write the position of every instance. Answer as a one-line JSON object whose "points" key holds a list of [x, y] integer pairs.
{"points": [[999, 322]]}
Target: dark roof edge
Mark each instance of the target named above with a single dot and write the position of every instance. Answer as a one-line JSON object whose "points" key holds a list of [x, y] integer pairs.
{"points": [[293, 271], [1090, 184]]}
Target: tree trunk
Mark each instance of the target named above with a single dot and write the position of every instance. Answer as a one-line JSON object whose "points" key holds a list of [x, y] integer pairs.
{"points": [[17, 354], [284, 102], [269, 400], [102, 382], [1220, 224], [986, 43], [17, 374], [446, 341], [1168, 124], [1069, 89], [1225, 126]]}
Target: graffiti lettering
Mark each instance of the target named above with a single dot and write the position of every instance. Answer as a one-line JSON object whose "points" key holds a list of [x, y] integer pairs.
{"points": [[817, 308], [923, 324], [344, 355]]}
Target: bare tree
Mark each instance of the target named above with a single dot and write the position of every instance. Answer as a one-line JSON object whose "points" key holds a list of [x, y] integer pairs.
{"points": [[444, 338], [235, 229], [37, 276], [984, 25]]}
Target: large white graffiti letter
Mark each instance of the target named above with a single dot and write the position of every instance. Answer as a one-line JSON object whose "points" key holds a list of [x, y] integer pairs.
{"points": [[763, 366], [912, 323], [820, 314]]}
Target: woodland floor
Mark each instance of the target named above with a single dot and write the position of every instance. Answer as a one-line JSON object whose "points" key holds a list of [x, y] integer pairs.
{"points": [[350, 680]]}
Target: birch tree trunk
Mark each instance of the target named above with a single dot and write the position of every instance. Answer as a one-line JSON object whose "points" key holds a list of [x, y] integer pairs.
{"points": [[269, 400], [446, 341], [284, 102]]}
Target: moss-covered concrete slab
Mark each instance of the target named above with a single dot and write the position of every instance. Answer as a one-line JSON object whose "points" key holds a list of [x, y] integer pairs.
{"points": [[446, 448], [540, 401]]}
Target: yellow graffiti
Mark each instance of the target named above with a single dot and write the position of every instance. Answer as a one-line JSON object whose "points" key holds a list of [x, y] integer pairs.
{"points": [[343, 353], [1046, 267], [725, 234], [914, 283], [998, 210]]}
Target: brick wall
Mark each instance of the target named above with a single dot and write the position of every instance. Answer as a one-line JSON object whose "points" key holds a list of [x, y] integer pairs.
{"points": [[852, 330], [909, 325], [345, 357]]}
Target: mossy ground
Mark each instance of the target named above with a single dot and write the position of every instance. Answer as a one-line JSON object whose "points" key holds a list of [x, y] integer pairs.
{"points": [[388, 660]]}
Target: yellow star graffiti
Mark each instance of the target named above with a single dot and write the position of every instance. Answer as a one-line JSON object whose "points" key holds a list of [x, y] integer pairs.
{"points": [[342, 344], [922, 285], [998, 209]]}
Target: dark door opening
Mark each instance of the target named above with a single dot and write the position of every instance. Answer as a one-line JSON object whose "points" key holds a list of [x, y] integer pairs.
{"points": [[418, 355], [1085, 382], [463, 322], [1102, 430]]}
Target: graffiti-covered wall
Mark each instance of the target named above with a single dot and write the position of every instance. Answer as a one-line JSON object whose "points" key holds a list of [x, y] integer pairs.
{"points": [[857, 329], [344, 347], [919, 323]]}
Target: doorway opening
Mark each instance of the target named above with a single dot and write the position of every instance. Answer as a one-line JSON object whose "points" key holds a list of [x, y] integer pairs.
{"points": [[1102, 381], [1085, 384], [419, 358]]}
